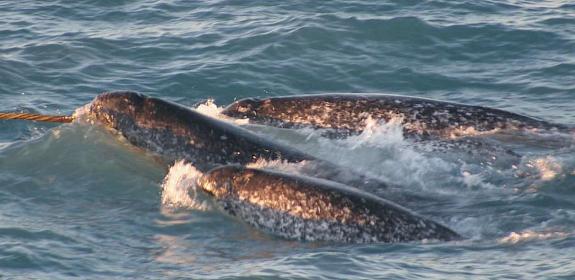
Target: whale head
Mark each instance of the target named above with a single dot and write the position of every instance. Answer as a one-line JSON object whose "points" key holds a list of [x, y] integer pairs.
{"points": [[107, 107], [219, 182]]}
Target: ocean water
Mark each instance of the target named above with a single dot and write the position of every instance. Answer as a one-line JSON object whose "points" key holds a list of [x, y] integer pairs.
{"points": [[79, 202]]}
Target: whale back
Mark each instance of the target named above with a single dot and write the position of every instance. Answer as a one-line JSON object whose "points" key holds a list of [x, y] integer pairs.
{"points": [[348, 113], [305, 208]]}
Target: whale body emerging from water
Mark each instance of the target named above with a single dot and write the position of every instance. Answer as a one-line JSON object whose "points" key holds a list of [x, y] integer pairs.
{"points": [[346, 114], [310, 209], [176, 132]]}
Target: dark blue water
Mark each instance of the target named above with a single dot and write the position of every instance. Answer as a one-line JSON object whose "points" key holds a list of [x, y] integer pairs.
{"points": [[76, 201]]}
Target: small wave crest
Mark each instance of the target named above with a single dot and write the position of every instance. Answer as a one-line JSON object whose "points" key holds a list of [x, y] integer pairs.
{"points": [[179, 189]]}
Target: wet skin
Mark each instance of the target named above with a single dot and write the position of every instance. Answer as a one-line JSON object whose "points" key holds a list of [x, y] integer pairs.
{"points": [[176, 132], [305, 208], [346, 114]]}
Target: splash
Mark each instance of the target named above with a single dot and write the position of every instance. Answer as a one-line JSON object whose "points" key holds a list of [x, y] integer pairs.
{"points": [[378, 133], [210, 108], [549, 168], [179, 189], [382, 151], [471, 180], [540, 170], [474, 180]]}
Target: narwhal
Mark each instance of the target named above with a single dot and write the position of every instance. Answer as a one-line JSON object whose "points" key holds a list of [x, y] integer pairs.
{"points": [[346, 114]]}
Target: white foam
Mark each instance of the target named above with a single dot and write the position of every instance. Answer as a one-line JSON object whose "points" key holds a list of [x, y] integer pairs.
{"points": [[470, 131], [529, 235], [278, 165], [179, 189]]}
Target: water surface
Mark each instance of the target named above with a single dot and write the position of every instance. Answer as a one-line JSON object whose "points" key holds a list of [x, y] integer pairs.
{"points": [[76, 201]]}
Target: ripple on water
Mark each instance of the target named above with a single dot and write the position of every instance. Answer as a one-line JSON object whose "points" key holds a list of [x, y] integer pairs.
{"points": [[79, 202]]}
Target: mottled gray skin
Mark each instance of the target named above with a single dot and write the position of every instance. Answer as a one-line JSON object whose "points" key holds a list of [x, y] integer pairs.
{"points": [[346, 114], [304, 208], [176, 132]]}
